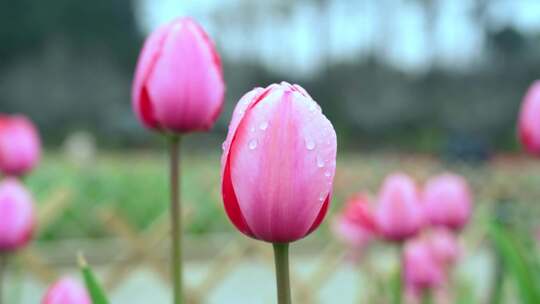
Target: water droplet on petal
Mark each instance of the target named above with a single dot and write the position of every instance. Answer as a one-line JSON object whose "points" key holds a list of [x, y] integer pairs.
{"points": [[312, 107], [320, 161], [252, 129], [263, 126], [224, 145], [310, 144], [322, 196], [252, 144], [327, 174]]}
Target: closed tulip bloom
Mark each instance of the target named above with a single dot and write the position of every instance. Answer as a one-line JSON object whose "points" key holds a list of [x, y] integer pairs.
{"points": [[444, 245], [278, 164], [447, 199], [178, 85], [422, 270], [356, 225], [529, 120], [19, 145], [17, 219], [66, 291], [399, 214]]}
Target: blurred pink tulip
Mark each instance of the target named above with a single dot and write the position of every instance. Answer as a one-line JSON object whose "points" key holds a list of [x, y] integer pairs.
{"points": [[66, 291], [17, 219], [278, 164], [447, 201], [356, 225], [178, 85], [529, 120], [444, 245], [422, 270], [399, 213], [19, 145]]}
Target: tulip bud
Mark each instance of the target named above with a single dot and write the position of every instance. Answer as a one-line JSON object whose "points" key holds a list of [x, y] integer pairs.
{"points": [[399, 214], [444, 246], [17, 218], [447, 201], [178, 85], [278, 164], [529, 120], [356, 225], [66, 291], [422, 271], [19, 145]]}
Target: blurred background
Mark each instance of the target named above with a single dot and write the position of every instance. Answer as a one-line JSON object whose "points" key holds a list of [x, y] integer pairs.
{"points": [[415, 85]]}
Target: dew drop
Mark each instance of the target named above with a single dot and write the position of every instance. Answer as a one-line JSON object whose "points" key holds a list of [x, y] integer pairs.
{"points": [[252, 144], [327, 174], [224, 145], [310, 144], [322, 195], [320, 161], [252, 129], [263, 126], [312, 107]]}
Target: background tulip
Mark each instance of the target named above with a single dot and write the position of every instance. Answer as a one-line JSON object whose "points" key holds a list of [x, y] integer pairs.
{"points": [[356, 225], [19, 145], [17, 218], [66, 291], [447, 200], [178, 85], [399, 214], [444, 245], [529, 120], [422, 270], [278, 164]]}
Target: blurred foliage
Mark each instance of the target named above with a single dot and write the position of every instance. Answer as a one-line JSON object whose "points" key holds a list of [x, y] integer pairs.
{"points": [[135, 185]]}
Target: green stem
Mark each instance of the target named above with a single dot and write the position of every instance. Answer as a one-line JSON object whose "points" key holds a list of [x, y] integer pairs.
{"points": [[398, 280], [281, 256], [3, 264], [427, 296], [176, 220]]}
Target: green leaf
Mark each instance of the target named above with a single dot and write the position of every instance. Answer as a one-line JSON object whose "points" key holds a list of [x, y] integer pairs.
{"points": [[92, 285], [516, 261]]}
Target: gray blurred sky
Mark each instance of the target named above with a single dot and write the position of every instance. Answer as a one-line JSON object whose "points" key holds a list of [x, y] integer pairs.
{"points": [[296, 41]]}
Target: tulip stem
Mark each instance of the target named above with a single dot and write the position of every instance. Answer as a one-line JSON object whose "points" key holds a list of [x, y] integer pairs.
{"points": [[3, 264], [427, 297], [176, 219], [281, 256], [398, 280]]}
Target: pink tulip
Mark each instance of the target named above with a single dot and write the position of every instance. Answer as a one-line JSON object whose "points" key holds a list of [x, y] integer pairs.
{"points": [[529, 120], [447, 201], [17, 218], [178, 85], [19, 145], [399, 214], [444, 246], [66, 291], [356, 225], [422, 270], [278, 164]]}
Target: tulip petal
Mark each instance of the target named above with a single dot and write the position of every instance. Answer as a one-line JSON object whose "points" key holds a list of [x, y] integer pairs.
{"points": [[282, 162], [141, 102], [186, 82]]}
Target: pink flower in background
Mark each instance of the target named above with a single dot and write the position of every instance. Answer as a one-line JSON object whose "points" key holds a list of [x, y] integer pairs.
{"points": [[356, 226], [278, 164], [447, 199], [444, 245], [66, 291], [399, 213], [19, 145], [421, 269], [178, 85], [17, 219], [529, 120]]}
